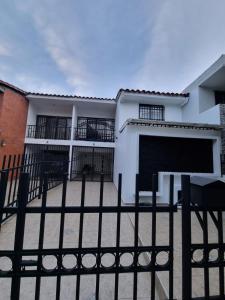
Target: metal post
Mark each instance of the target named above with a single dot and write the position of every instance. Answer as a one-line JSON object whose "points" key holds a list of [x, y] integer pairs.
{"points": [[186, 239], [19, 235], [41, 180], [3, 188]]}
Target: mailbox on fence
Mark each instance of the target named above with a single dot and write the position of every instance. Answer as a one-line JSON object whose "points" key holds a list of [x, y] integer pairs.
{"points": [[208, 191]]}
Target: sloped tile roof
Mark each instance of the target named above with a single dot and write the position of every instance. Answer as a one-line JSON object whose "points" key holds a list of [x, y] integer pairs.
{"points": [[151, 93], [13, 87], [71, 96]]}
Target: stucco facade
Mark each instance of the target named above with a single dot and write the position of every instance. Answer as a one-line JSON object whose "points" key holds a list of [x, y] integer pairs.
{"points": [[94, 132]]}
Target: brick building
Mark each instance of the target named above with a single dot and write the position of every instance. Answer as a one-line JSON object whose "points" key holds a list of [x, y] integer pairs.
{"points": [[13, 117]]}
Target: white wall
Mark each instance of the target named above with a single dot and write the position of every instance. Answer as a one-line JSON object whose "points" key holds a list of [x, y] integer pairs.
{"points": [[128, 110], [127, 152], [173, 113], [47, 109], [201, 107], [210, 116], [190, 110], [96, 110], [206, 99]]}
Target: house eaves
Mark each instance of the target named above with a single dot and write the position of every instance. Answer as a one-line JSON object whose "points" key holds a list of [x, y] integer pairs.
{"points": [[182, 125]]}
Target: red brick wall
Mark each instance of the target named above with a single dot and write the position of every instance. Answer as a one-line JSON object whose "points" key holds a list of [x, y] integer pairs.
{"points": [[13, 117]]}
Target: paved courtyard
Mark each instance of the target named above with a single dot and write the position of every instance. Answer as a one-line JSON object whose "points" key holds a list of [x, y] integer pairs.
{"points": [[71, 233]]}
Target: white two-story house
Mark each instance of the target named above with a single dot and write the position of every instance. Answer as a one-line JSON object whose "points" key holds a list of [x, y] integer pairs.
{"points": [[137, 132]]}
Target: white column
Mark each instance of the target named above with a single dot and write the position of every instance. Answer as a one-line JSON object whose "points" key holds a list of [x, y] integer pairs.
{"points": [[73, 124], [74, 121]]}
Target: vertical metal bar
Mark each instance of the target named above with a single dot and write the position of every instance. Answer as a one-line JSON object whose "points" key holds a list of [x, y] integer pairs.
{"points": [[62, 222], [186, 239], [221, 253], [117, 259], [19, 235], [154, 187], [92, 163], [136, 221], [171, 235], [32, 174], [36, 175], [3, 162], [98, 260], [11, 180], [16, 177], [9, 161], [79, 258], [41, 179], [3, 188], [206, 254], [41, 236]]}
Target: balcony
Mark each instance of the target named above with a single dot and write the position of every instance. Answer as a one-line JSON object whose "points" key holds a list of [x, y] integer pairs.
{"points": [[47, 132], [64, 133], [98, 135]]}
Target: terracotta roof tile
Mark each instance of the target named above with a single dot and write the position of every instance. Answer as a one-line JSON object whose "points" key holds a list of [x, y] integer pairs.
{"points": [[151, 93], [71, 96]]}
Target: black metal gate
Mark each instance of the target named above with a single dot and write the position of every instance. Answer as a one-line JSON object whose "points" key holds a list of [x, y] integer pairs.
{"points": [[203, 256], [27, 263], [92, 161]]}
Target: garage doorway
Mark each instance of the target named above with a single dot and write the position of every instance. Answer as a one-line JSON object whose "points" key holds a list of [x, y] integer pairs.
{"points": [[172, 154], [92, 161]]}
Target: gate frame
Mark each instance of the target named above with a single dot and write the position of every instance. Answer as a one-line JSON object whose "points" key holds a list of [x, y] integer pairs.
{"points": [[188, 248], [18, 255]]}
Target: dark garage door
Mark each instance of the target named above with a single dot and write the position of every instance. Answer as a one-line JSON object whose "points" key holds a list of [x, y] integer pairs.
{"points": [[173, 155]]}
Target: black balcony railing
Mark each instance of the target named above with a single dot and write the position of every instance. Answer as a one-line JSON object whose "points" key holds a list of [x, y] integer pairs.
{"points": [[46, 132], [64, 133], [89, 134]]}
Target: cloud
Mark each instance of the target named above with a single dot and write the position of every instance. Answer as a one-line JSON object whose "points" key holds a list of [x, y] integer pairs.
{"points": [[186, 38], [61, 39], [31, 83], [4, 50]]}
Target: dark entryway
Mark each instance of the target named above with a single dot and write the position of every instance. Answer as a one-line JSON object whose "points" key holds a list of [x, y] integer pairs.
{"points": [[92, 161], [49, 127], [172, 154]]}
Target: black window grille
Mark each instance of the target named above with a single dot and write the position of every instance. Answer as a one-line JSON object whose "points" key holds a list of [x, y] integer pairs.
{"points": [[151, 112]]}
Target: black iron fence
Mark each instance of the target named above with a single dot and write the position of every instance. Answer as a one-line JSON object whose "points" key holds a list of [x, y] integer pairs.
{"points": [[31, 263], [90, 134], [205, 255], [34, 164], [49, 132]]}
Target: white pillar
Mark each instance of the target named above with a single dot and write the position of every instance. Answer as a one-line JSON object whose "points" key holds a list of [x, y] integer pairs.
{"points": [[74, 121], [73, 125]]}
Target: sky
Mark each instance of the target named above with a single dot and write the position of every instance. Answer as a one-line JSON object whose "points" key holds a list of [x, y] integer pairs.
{"points": [[94, 48]]}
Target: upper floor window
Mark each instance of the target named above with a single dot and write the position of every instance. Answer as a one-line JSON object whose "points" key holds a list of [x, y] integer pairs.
{"points": [[151, 112], [220, 97]]}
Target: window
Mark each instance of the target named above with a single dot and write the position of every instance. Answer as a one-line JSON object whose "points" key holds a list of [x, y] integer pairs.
{"points": [[151, 112], [220, 97]]}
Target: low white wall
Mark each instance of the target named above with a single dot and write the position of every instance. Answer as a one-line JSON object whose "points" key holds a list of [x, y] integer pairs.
{"points": [[210, 116]]}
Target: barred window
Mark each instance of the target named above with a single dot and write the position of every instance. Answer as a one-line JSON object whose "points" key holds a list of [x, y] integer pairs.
{"points": [[151, 112]]}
